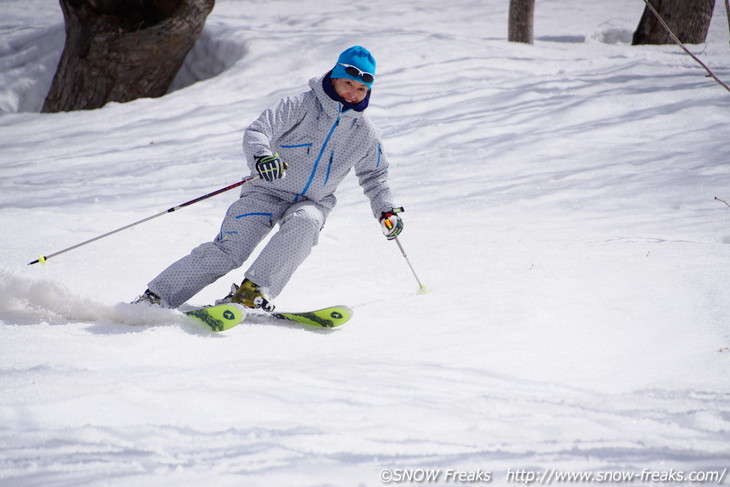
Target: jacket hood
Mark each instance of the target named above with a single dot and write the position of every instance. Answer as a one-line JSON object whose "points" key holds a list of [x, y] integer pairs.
{"points": [[332, 107]]}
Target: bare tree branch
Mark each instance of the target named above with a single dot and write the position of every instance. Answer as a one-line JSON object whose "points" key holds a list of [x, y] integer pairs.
{"points": [[710, 74], [718, 199]]}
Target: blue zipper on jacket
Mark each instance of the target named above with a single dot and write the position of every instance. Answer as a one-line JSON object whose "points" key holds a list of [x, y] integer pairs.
{"points": [[319, 156], [308, 146]]}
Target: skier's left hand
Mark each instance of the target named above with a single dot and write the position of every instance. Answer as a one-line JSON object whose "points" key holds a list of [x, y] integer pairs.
{"points": [[391, 223]]}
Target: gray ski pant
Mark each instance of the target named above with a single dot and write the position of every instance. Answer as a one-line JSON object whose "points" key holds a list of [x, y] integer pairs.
{"points": [[248, 221]]}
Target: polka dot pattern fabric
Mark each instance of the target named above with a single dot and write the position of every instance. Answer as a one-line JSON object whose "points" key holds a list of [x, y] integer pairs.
{"points": [[248, 221], [321, 143]]}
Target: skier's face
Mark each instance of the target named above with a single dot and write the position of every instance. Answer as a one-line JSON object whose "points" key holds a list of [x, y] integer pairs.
{"points": [[352, 91]]}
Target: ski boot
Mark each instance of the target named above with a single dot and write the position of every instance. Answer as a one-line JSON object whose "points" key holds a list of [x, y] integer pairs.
{"points": [[151, 299], [250, 295]]}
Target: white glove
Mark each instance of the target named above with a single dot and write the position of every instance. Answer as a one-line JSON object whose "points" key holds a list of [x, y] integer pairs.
{"points": [[391, 223]]}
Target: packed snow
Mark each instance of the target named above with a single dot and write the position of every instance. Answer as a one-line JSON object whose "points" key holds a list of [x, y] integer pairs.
{"points": [[560, 204]]}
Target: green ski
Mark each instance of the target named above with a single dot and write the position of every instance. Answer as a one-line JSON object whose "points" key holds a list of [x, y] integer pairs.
{"points": [[219, 318], [226, 316], [321, 318]]}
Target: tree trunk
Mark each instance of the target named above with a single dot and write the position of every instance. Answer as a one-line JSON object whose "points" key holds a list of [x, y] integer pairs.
{"points": [[121, 50], [521, 13], [688, 19]]}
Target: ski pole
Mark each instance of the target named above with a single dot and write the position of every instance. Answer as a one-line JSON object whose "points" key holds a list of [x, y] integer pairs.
{"points": [[422, 289], [43, 258]]}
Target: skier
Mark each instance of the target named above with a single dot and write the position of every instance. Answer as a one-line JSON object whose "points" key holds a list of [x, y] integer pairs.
{"points": [[302, 147]]}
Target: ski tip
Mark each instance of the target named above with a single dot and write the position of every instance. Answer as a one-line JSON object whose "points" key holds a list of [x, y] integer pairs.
{"points": [[346, 313], [220, 317], [331, 317]]}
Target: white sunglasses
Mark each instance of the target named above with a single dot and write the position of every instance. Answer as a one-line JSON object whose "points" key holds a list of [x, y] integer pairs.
{"points": [[355, 71]]}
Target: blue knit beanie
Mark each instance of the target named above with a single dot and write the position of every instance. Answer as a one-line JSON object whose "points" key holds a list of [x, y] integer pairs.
{"points": [[359, 57]]}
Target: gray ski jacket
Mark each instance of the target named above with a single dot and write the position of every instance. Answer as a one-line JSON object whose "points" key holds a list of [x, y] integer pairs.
{"points": [[321, 143]]}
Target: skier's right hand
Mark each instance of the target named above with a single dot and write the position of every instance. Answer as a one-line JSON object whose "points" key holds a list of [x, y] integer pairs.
{"points": [[271, 167]]}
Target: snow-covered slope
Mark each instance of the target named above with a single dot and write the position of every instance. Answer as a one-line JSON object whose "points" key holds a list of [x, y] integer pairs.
{"points": [[560, 204]]}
